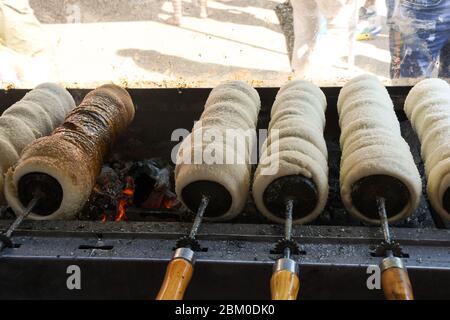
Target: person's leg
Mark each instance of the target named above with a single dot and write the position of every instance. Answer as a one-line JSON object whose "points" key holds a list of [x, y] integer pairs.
{"points": [[28, 47], [203, 9], [396, 49], [444, 59], [444, 62], [342, 18], [395, 41], [20, 30], [367, 10], [306, 23], [177, 11], [423, 31]]}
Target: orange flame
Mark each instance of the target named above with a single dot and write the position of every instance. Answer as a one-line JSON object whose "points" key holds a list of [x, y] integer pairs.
{"points": [[121, 210], [127, 195]]}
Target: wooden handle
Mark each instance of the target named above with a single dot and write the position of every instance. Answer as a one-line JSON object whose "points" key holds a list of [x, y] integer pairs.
{"points": [[284, 285], [396, 284], [178, 275]]}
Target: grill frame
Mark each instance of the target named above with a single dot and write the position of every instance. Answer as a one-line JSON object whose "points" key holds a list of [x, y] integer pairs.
{"points": [[238, 260], [136, 255]]}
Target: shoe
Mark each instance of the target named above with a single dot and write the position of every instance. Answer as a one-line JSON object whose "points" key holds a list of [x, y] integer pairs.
{"points": [[176, 21], [366, 13], [368, 33]]}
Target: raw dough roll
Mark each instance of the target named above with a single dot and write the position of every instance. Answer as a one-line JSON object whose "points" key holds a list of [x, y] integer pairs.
{"points": [[295, 148], [374, 154], [35, 116], [428, 108], [67, 162], [225, 178]]}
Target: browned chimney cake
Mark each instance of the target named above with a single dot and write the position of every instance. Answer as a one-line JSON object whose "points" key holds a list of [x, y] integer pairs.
{"points": [[63, 166]]}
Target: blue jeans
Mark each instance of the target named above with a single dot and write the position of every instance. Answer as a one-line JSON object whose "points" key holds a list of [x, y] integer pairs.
{"points": [[424, 26]]}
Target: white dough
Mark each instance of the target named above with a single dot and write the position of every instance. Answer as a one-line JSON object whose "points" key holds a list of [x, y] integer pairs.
{"points": [[390, 142], [361, 88], [295, 97], [367, 123], [305, 86], [228, 110], [427, 89], [428, 108], [232, 105], [294, 128], [372, 144], [295, 146], [35, 116], [238, 98], [303, 112]]}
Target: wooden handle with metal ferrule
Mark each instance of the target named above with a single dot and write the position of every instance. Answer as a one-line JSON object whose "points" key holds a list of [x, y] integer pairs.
{"points": [[285, 283], [396, 284], [178, 276], [395, 280]]}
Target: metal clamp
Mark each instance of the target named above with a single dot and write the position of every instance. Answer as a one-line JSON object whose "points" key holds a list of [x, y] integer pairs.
{"points": [[286, 265], [186, 254], [391, 262]]}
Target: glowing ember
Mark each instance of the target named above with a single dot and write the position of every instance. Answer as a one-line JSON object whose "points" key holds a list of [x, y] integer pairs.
{"points": [[125, 200], [121, 215], [170, 202], [104, 218]]}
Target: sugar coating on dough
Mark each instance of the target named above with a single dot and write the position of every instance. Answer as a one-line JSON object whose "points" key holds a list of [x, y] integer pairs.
{"points": [[229, 110], [295, 145], [298, 129], [391, 142], [238, 98], [367, 123], [298, 97], [303, 111], [228, 90], [372, 144], [35, 117], [305, 86], [428, 108]]}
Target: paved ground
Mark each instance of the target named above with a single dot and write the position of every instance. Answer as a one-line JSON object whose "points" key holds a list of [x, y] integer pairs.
{"points": [[130, 43]]}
